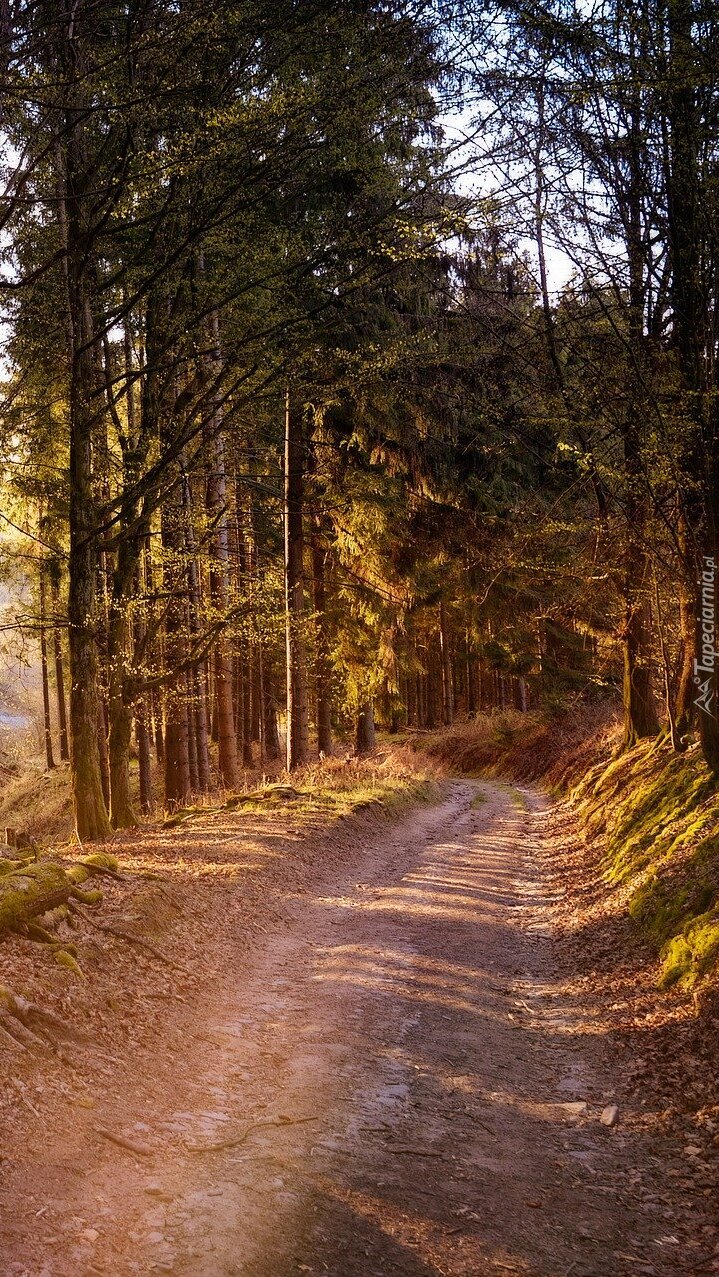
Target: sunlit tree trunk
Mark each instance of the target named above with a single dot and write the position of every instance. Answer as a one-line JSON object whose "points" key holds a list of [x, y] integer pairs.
{"points": [[144, 757], [47, 724], [198, 712], [191, 738], [121, 686], [323, 668], [59, 668], [216, 495], [297, 707], [91, 818]]}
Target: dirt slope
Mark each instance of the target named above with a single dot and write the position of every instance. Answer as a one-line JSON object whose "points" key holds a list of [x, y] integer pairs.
{"points": [[393, 1080]]}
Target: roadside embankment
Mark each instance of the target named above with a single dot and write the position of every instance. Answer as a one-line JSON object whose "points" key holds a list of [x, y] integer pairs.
{"points": [[634, 862]]}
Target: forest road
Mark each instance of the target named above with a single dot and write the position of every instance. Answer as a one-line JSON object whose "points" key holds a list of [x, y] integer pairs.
{"points": [[397, 1086]]}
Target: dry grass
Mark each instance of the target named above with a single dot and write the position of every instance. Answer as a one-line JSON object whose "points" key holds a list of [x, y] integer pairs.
{"points": [[524, 747], [39, 802]]}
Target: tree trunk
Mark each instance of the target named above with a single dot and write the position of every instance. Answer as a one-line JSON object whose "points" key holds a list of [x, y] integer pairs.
{"points": [[433, 708], [59, 676], [446, 654], [272, 735], [683, 708], [198, 713], [104, 752], [472, 702], [692, 236], [45, 682], [640, 715], [247, 705], [177, 761], [216, 492], [422, 701], [706, 663], [156, 701], [323, 669], [297, 714], [239, 702], [121, 691], [243, 654], [144, 757], [219, 592], [411, 701], [364, 736], [178, 788], [122, 812], [191, 738], [91, 818]]}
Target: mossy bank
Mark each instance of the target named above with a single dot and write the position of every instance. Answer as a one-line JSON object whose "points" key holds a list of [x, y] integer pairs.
{"points": [[655, 814]]}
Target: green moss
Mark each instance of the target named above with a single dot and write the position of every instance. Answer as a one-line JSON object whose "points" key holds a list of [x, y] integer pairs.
{"points": [[17, 889], [658, 813], [66, 960], [102, 860], [335, 801], [87, 897], [648, 794], [479, 799], [517, 798], [688, 956], [11, 866]]}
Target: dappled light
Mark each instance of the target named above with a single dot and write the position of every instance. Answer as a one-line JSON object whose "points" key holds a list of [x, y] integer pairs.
{"points": [[359, 663]]}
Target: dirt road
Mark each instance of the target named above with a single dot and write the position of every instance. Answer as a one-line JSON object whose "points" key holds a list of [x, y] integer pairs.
{"points": [[394, 1084]]}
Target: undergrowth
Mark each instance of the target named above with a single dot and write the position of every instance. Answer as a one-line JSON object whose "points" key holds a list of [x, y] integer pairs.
{"points": [[524, 747], [39, 803]]}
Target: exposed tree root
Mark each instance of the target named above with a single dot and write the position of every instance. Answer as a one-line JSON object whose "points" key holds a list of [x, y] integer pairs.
{"points": [[126, 936], [10, 1040], [140, 1150], [34, 889], [100, 870], [31, 1028], [235, 1140], [47, 892], [28, 893]]}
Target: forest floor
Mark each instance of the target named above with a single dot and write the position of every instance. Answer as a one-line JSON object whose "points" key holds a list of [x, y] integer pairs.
{"points": [[383, 1047]]}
